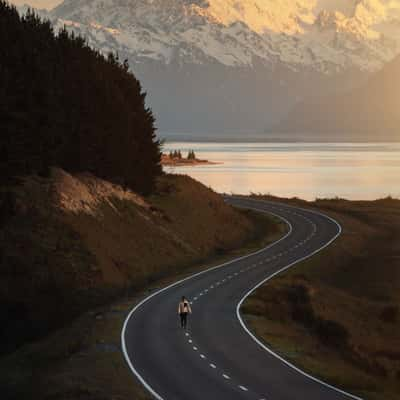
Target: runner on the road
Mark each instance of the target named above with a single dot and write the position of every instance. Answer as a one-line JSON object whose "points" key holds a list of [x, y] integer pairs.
{"points": [[183, 311]]}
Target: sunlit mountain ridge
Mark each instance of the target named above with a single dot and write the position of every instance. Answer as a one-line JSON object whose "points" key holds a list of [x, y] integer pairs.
{"points": [[227, 64], [326, 35]]}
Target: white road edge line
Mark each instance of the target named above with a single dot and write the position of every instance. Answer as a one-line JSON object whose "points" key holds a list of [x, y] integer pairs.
{"points": [[262, 345], [123, 341]]}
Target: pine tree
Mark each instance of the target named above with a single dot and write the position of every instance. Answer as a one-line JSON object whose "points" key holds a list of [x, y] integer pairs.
{"points": [[70, 107], [191, 155]]}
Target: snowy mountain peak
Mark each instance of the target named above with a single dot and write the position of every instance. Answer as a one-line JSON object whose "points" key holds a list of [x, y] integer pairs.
{"points": [[324, 35], [330, 19]]}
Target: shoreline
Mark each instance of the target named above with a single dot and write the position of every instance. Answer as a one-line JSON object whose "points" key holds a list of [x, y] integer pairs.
{"points": [[167, 161], [186, 163]]}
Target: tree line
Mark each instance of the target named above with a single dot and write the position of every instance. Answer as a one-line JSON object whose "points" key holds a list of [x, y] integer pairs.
{"points": [[176, 154], [65, 104]]}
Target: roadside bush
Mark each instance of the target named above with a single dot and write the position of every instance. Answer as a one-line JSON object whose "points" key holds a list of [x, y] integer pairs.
{"points": [[298, 294], [364, 362], [389, 314], [302, 310], [331, 333], [328, 332]]}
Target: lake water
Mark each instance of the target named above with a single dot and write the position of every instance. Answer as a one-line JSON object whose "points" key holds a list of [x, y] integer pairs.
{"points": [[307, 170]]}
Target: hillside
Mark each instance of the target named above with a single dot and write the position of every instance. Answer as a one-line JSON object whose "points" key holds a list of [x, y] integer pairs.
{"points": [[85, 211], [72, 242], [337, 315], [367, 113]]}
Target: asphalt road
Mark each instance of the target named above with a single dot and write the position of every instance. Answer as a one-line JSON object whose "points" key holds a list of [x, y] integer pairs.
{"points": [[218, 358]]}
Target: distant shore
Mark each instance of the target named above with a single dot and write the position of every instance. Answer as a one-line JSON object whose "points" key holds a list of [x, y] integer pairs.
{"points": [[253, 137], [168, 161]]}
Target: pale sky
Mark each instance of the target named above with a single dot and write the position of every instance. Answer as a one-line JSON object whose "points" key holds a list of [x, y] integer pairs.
{"points": [[37, 3]]}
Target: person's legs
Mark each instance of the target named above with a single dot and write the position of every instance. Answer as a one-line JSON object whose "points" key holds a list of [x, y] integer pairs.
{"points": [[182, 315], [184, 319]]}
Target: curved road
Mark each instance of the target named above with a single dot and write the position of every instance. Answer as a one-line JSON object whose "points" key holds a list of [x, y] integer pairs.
{"points": [[218, 358]]}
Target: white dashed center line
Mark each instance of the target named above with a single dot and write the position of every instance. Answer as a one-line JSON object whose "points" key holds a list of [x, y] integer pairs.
{"points": [[213, 366]]}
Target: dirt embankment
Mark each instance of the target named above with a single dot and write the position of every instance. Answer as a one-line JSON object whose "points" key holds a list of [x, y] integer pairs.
{"points": [[337, 315], [74, 242], [69, 243]]}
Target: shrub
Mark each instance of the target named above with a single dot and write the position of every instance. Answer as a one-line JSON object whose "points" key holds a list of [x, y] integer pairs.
{"points": [[389, 314], [331, 333], [302, 310]]}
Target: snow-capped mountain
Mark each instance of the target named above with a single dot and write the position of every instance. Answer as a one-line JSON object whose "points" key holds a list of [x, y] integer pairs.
{"points": [[327, 35], [238, 64]]}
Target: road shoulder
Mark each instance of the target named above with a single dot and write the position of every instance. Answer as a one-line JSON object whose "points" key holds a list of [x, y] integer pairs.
{"points": [[84, 360]]}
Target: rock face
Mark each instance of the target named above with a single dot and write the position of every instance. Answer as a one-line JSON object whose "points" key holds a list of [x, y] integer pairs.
{"points": [[224, 64]]}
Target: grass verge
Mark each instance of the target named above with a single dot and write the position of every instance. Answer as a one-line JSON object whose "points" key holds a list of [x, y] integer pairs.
{"points": [[337, 314], [83, 360]]}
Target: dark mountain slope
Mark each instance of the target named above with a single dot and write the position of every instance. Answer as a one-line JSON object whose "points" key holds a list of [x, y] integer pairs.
{"points": [[370, 112]]}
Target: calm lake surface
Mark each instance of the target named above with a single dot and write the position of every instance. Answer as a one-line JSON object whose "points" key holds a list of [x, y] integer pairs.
{"points": [[307, 170]]}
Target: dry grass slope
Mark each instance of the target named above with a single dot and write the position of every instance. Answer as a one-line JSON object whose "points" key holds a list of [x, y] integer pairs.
{"points": [[71, 244], [337, 315]]}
